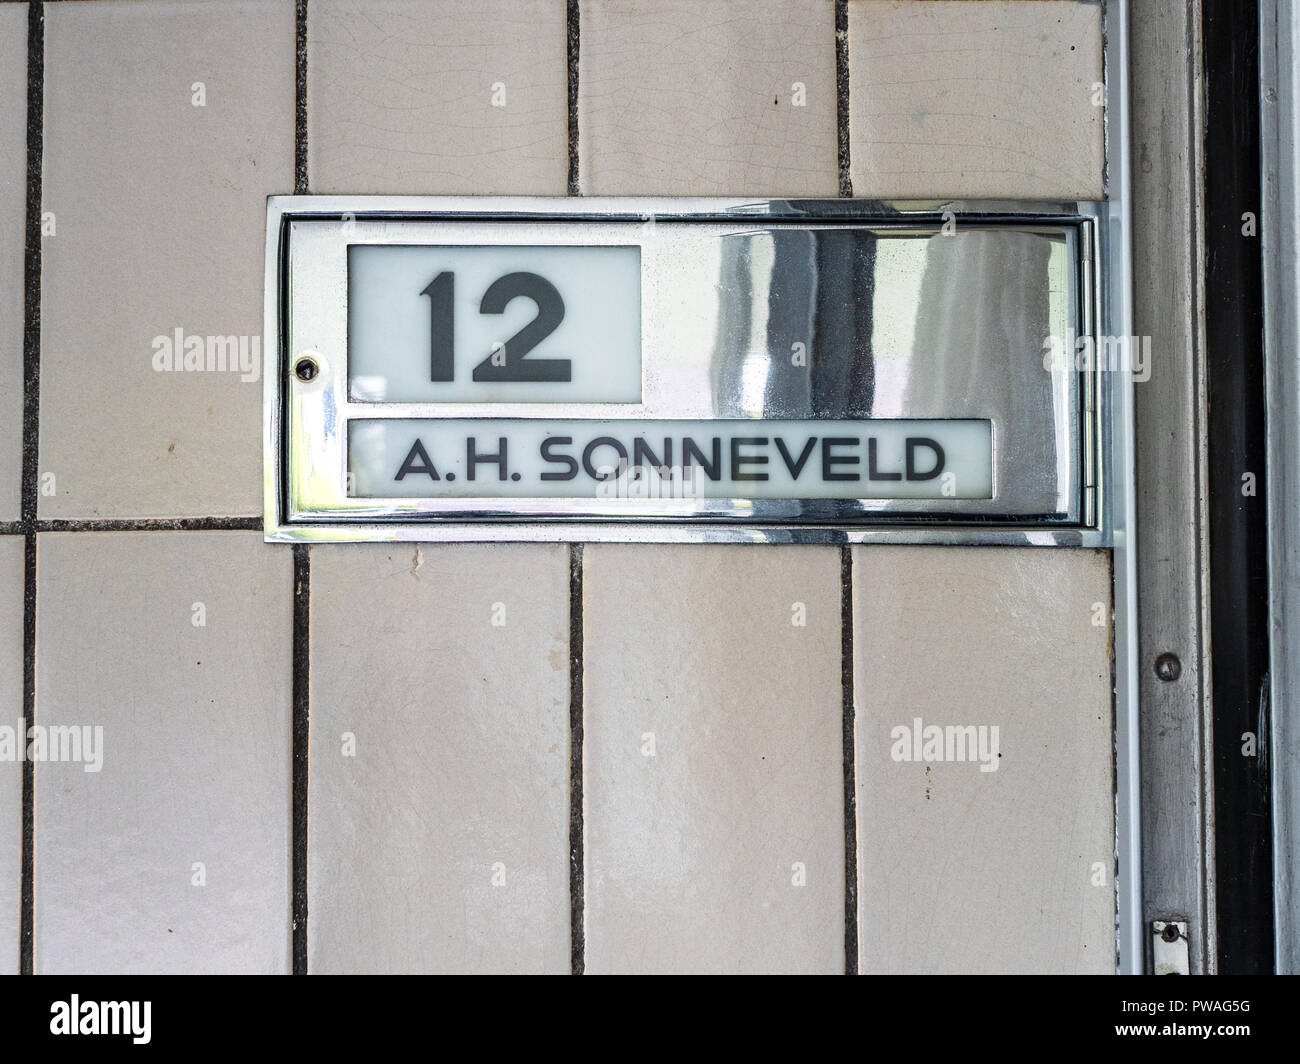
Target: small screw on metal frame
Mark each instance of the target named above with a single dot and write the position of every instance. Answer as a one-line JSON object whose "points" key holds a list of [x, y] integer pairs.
{"points": [[1168, 667], [306, 368], [1170, 933]]}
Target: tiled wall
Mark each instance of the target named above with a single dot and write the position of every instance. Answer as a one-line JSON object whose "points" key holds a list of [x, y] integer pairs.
{"points": [[519, 757]]}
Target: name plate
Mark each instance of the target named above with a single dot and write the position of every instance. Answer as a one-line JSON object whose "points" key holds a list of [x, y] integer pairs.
{"points": [[894, 459], [485, 368]]}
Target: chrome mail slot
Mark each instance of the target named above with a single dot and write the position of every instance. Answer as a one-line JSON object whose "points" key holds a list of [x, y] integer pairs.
{"points": [[813, 370]]}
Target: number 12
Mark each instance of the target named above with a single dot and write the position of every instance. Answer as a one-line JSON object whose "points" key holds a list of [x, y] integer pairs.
{"points": [[514, 365]]}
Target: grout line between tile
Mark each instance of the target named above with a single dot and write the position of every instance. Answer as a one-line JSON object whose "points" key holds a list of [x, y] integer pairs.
{"points": [[301, 689], [850, 764], [301, 684], [577, 857], [842, 96], [30, 470], [154, 524], [572, 20], [32, 266], [27, 895], [848, 740], [300, 99], [577, 854]]}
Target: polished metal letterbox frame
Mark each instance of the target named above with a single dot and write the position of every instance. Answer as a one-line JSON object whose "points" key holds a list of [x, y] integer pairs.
{"points": [[306, 424]]}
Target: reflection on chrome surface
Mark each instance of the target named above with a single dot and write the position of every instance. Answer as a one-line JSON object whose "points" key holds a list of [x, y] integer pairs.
{"points": [[904, 325]]}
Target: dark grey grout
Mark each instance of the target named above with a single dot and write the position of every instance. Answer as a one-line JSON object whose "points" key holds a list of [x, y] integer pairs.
{"points": [[30, 473], [30, 469], [842, 96], [850, 764], [301, 684], [848, 740], [27, 893], [577, 855], [32, 268], [301, 697], [153, 524], [572, 32], [300, 99]]}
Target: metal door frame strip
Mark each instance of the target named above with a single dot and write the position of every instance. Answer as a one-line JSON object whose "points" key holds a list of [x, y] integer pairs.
{"points": [[1116, 308]]}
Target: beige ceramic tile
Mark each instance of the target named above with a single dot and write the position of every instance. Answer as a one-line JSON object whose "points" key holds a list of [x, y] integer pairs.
{"points": [[174, 855], [962, 869], [949, 98], [12, 745], [13, 215], [439, 785], [730, 97], [713, 771], [437, 96], [160, 216]]}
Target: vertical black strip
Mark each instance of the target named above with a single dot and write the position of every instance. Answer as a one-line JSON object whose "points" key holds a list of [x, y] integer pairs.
{"points": [[571, 47], [30, 469], [301, 735], [1238, 525], [850, 765], [842, 95], [300, 100], [577, 930]]}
